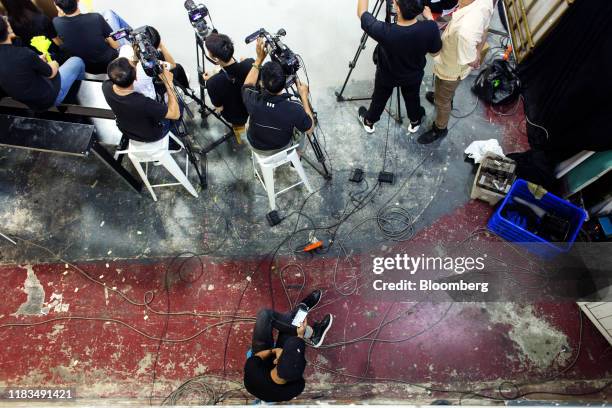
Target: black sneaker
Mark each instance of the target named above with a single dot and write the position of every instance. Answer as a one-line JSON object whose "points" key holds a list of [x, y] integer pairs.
{"points": [[312, 300], [431, 98], [362, 114], [320, 329], [432, 135], [414, 127]]}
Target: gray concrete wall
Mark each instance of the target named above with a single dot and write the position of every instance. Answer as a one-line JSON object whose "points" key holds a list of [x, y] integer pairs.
{"points": [[325, 32]]}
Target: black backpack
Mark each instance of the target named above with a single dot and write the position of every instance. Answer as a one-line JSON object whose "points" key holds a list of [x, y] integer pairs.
{"points": [[497, 84]]}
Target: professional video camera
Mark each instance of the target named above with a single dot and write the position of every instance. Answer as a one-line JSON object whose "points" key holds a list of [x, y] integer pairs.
{"points": [[197, 18], [142, 39], [279, 52]]}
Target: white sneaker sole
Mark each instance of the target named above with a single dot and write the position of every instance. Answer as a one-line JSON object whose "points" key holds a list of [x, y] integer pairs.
{"points": [[331, 321], [413, 129]]}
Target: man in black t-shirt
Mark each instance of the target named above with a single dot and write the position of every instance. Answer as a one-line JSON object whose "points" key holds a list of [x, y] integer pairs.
{"points": [[86, 36], [274, 371], [274, 115], [28, 78], [225, 87], [138, 117], [402, 48]]}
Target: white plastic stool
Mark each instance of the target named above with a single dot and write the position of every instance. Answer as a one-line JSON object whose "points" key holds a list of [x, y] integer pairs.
{"points": [[269, 163], [158, 152]]}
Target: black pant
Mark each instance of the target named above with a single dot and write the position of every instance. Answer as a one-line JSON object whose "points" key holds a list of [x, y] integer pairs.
{"points": [[383, 89], [180, 77], [267, 320]]}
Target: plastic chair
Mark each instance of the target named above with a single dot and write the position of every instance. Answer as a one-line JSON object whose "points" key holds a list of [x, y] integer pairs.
{"points": [[269, 163], [159, 153]]}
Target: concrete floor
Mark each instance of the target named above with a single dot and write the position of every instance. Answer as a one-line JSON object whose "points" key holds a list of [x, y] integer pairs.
{"points": [[93, 256]]}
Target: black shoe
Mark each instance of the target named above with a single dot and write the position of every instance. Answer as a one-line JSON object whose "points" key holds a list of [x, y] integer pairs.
{"points": [[432, 135], [320, 329], [312, 300], [362, 118], [431, 98]]}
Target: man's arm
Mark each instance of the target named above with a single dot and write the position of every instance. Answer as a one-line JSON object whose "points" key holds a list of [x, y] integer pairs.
{"points": [[362, 7], [251, 79], [48, 69], [476, 63], [167, 56], [265, 354], [107, 31], [174, 111], [304, 93]]}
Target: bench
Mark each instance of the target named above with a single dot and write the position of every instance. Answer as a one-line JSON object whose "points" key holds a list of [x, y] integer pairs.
{"points": [[85, 99], [73, 139]]}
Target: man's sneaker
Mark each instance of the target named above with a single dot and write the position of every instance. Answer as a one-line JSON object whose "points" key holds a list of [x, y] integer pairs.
{"points": [[362, 114], [320, 329], [432, 135], [312, 300], [414, 127], [431, 98]]}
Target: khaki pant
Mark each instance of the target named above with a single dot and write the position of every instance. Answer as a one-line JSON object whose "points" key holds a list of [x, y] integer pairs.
{"points": [[444, 94]]}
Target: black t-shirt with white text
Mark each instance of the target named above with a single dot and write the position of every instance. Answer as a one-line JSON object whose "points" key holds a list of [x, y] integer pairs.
{"points": [[84, 36], [138, 117], [273, 118], [225, 89], [258, 382], [25, 77], [402, 49]]}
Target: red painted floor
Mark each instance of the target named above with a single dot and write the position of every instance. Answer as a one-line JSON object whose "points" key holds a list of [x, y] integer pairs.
{"points": [[100, 334]]}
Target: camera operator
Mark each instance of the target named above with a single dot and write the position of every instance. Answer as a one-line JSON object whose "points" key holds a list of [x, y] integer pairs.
{"points": [[139, 118], [274, 116], [402, 49], [29, 78], [180, 76], [225, 87]]}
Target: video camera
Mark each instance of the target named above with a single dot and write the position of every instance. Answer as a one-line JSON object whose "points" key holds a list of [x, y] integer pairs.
{"points": [[142, 39], [197, 18], [279, 52]]}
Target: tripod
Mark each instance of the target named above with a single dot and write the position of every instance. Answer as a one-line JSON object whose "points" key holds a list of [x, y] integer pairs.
{"points": [[352, 64], [314, 142]]}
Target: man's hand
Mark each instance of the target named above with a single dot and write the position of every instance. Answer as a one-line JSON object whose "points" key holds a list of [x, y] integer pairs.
{"points": [[427, 13], [301, 331], [54, 68], [167, 77], [277, 354], [475, 64], [208, 75], [261, 51]]}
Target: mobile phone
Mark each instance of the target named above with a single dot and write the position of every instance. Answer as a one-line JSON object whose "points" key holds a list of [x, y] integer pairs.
{"points": [[299, 318]]}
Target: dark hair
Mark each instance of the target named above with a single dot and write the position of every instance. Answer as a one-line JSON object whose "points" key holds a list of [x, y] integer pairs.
{"points": [[20, 11], [3, 29], [220, 46], [67, 6], [411, 8], [121, 72], [155, 37], [273, 77]]}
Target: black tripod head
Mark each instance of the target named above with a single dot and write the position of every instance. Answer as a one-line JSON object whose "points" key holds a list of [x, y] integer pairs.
{"points": [[390, 12]]}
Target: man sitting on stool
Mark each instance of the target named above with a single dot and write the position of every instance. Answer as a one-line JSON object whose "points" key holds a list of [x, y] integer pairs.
{"points": [[274, 116], [274, 372], [138, 117], [29, 79], [225, 87]]}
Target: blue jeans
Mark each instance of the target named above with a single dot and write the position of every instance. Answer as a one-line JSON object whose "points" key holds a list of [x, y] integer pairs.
{"points": [[72, 70], [116, 23]]}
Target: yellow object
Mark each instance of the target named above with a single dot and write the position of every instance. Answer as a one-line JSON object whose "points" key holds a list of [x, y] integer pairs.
{"points": [[538, 191], [42, 45], [88, 5]]}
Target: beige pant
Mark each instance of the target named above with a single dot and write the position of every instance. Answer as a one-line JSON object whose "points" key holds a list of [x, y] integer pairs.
{"points": [[444, 94]]}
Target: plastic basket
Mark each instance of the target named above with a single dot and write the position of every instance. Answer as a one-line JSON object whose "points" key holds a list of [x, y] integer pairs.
{"points": [[533, 243]]}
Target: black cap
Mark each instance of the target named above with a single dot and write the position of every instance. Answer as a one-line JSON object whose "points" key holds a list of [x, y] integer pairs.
{"points": [[292, 362]]}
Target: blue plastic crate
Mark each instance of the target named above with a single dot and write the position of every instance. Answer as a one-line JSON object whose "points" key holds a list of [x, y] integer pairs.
{"points": [[512, 232]]}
